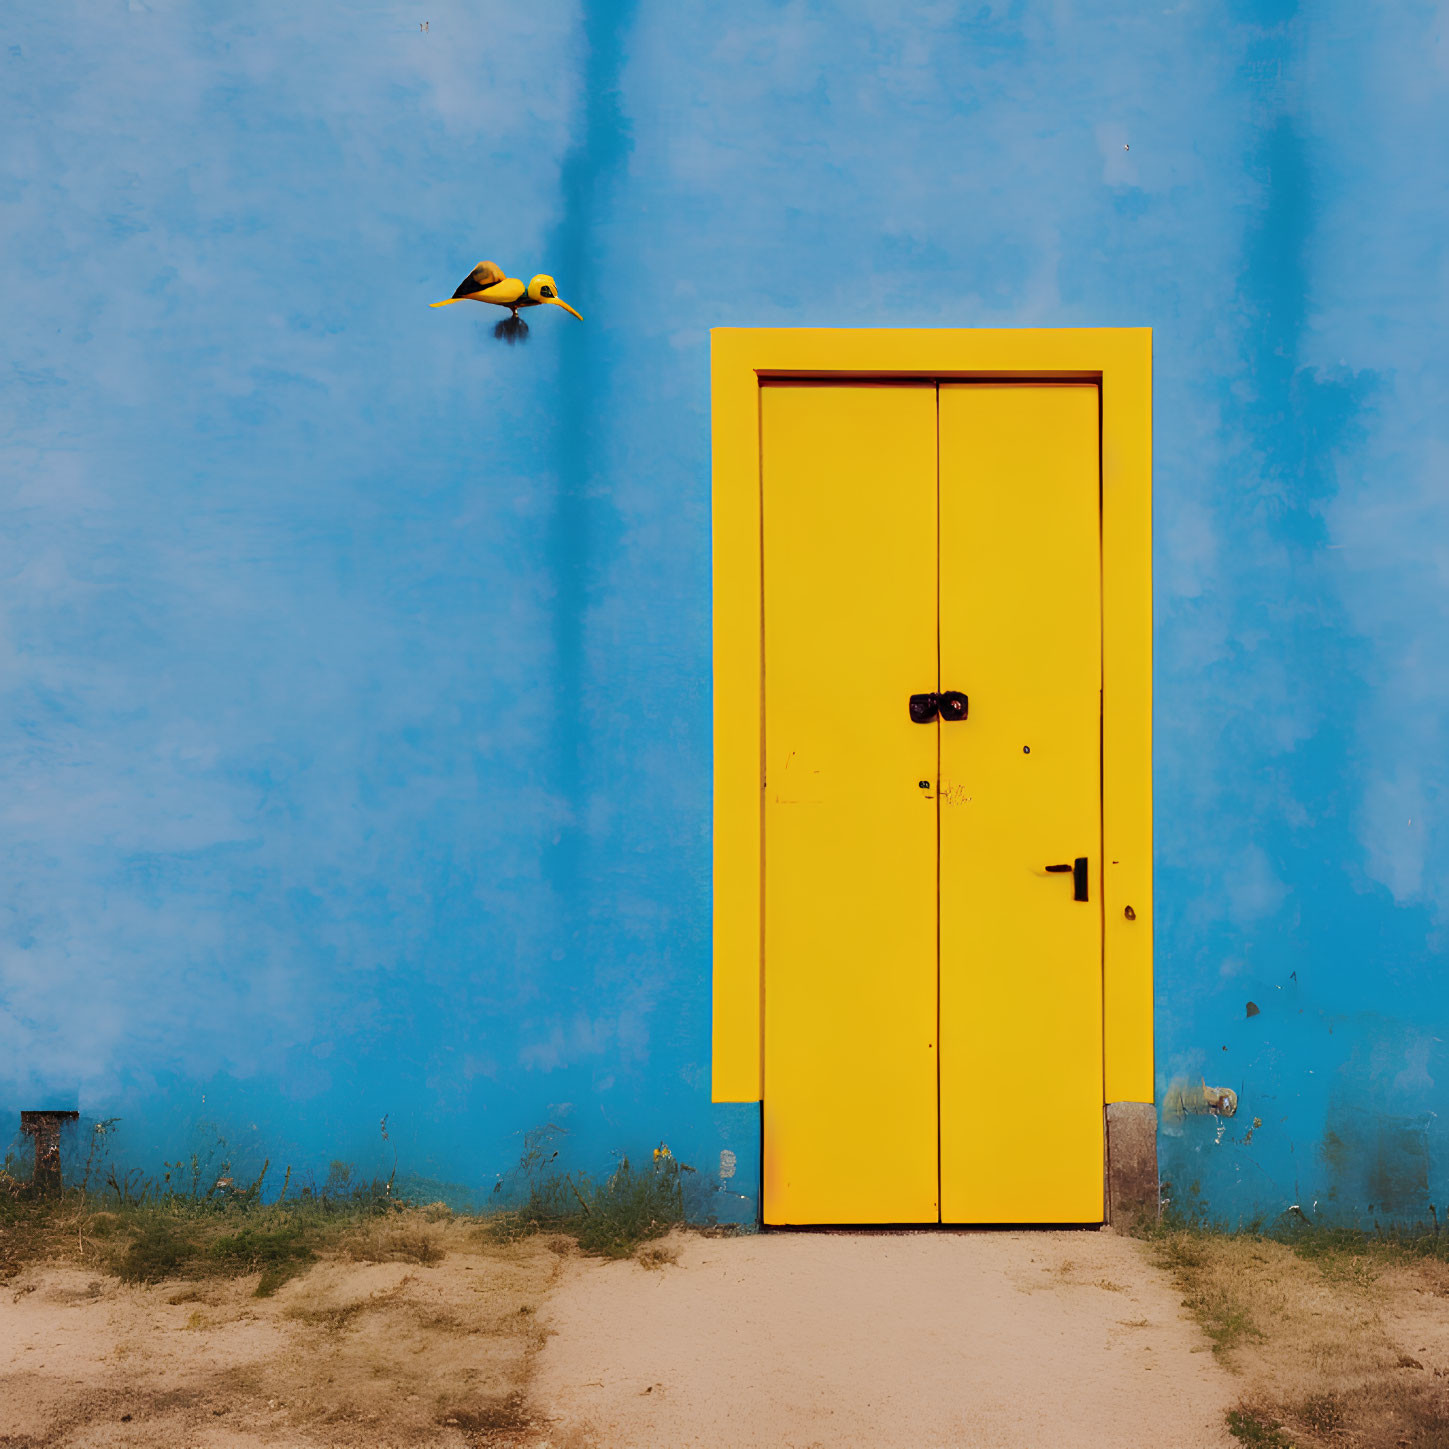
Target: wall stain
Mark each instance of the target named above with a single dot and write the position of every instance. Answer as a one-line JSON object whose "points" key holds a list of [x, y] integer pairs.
{"points": [[1380, 1161], [577, 538], [1187, 1099]]}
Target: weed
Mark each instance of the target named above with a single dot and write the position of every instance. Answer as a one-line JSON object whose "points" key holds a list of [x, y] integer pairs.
{"points": [[1256, 1430], [1223, 1321], [609, 1219], [410, 1244], [183, 1248], [189, 1224], [280, 1253], [1322, 1413], [158, 1250], [1338, 1249], [1211, 1297], [198, 1221]]}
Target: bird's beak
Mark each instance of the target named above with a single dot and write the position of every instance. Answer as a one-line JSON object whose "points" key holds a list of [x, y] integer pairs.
{"points": [[559, 302], [446, 302]]}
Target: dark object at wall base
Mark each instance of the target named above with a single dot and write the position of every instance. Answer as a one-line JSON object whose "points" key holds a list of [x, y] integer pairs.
{"points": [[1132, 1194], [44, 1127]]}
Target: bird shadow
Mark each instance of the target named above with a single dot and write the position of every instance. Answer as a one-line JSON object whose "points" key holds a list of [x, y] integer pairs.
{"points": [[511, 330]]}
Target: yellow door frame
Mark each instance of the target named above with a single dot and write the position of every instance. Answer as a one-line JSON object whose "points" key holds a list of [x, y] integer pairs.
{"points": [[1119, 359]]}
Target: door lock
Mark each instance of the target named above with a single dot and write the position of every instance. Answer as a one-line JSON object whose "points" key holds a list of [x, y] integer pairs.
{"points": [[952, 705], [1078, 869]]}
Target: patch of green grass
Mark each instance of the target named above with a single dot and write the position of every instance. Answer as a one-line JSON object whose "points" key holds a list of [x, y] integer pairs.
{"points": [[280, 1252], [1359, 1252], [161, 1249], [1256, 1430], [196, 1221], [158, 1250], [1352, 1257], [611, 1218], [1225, 1323], [1341, 1252], [1187, 1255], [146, 1231], [278, 1242]]}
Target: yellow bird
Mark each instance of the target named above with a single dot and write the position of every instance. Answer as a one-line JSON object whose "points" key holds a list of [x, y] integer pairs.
{"points": [[486, 283]]}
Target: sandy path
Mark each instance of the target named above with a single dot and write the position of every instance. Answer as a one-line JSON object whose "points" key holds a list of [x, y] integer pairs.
{"points": [[973, 1340]]}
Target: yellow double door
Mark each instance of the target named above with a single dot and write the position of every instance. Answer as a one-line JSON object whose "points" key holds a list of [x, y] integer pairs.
{"points": [[932, 987]]}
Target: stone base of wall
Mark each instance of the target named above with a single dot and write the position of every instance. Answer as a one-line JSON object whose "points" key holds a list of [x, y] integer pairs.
{"points": [[1131, 1163]]}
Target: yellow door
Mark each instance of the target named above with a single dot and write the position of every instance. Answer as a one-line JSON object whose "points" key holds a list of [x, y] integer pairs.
{"points": [[1021, 956], [917, 540], [849, 540]]}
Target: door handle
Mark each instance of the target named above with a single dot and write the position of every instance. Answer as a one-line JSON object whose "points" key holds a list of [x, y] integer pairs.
{"points": [[954, 705], [1078, 869], [924, 707]]}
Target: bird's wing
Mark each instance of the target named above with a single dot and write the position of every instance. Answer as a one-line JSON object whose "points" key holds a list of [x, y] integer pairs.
{"points": [[483, 276]]}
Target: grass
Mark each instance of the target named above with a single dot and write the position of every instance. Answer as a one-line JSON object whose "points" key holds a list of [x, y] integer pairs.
{"points": [[1256, 1430], [1308, 1317], [385, 1354], [195, 1223], [611, 1218], [148, 1231], [155, 1242], [277, 1250], [1332, 1244], [1214, 1298]]}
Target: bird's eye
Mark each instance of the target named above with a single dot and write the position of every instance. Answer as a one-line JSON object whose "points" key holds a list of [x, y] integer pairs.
{"points": [[547, 291]]}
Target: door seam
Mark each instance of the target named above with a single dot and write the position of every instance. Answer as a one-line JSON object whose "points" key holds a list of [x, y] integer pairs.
{"points": [[1102, 797], [762, 775], [940, 1204]]}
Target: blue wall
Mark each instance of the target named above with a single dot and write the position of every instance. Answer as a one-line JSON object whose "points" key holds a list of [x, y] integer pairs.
{"points": [[356, 716]]}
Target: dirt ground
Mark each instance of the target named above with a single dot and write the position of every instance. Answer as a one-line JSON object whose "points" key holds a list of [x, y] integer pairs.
{"points": [[1335, 1345], [381, 1354], [974, 1340]]}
